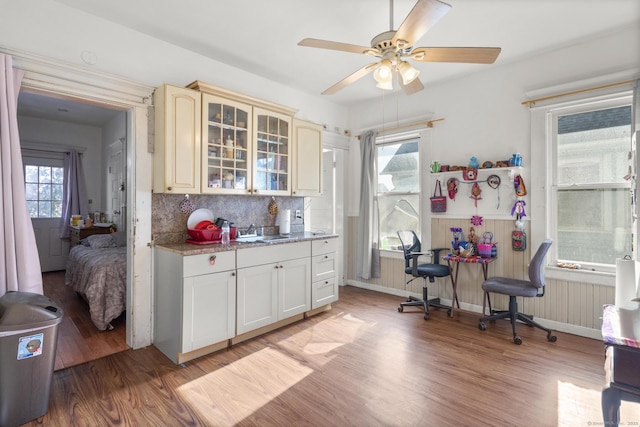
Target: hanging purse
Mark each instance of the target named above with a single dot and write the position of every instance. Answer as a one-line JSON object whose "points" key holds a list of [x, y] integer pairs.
{"points": [[438, 202]]}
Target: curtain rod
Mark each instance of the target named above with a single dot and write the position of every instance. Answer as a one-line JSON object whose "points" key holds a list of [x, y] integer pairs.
{"points": [[49, 151], [532, 102], [429, 124]]}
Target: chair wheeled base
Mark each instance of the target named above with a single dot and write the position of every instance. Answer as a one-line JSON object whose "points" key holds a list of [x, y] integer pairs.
{"points": [[425, 303], [514, 315]]}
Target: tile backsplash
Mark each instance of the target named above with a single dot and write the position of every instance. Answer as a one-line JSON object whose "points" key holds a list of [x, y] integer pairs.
{"points": [[169, 224]]}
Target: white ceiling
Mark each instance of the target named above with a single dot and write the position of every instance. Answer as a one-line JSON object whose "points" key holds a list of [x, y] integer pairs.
{"points": [[261, 36]]}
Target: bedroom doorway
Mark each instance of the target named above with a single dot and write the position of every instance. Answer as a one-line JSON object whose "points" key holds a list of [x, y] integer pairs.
{"points": [[48, 125]]}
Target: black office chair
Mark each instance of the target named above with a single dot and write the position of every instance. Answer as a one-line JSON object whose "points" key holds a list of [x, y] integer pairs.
{"points": [[412, 250], [534, 287]]}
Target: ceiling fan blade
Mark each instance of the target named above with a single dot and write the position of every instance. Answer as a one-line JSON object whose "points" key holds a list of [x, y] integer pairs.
{"points": [[424, 15], [472, 55], [351, 79], [413, 87], [326, 44]]}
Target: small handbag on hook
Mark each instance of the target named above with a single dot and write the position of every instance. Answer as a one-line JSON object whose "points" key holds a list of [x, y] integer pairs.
{"points": [[438, 202]]}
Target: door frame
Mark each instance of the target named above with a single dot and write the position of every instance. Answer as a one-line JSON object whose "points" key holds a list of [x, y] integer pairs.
{"points": [[54, 78]]}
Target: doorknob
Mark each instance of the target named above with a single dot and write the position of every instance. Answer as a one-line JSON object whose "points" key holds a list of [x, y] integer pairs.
{"points": [[116, 212]]}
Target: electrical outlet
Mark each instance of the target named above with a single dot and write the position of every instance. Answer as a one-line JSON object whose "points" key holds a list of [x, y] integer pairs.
{"points": [[298, 214]]}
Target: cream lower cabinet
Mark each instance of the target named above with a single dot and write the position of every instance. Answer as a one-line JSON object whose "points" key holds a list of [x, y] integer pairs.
{"points": [[324, 272], [274, 284], [195, 300]]}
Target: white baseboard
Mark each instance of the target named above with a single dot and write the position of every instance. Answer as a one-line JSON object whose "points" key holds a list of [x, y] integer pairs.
{"points": [[552, 324]]}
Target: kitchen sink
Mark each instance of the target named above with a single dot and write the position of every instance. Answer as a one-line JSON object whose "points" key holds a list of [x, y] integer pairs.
{"points": [[267, 239]]}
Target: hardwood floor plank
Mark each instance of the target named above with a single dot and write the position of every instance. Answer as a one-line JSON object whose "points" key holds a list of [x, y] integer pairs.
{"points": [[360, 364], [79, 341]]}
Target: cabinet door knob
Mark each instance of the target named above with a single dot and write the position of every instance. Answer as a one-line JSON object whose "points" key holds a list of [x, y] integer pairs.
{"points": [[326, 257], [212, 260], [169, 188], [233, 273]]}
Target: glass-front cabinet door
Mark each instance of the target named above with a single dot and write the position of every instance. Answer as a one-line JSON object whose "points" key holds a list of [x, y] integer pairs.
{"points": [[226, 146], [271, 151]]}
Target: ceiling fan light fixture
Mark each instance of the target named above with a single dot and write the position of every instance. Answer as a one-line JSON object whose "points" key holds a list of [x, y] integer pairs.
{"points": [[384, 72], [408, 72], [387, 85]]}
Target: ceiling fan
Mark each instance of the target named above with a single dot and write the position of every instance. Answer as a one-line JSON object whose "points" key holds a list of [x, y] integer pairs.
{"points": [[394, 46]]}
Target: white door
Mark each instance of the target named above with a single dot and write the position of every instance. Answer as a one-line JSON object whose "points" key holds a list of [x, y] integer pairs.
{"points": [[52, 250], [116, 177]]}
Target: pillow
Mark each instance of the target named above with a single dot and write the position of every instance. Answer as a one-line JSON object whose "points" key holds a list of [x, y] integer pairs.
{"points": [[120, 237], [99, 241]]}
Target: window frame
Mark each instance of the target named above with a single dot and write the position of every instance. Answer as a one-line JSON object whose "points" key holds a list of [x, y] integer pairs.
{"points": [[550, 114], [52, 162], [420, 136]]}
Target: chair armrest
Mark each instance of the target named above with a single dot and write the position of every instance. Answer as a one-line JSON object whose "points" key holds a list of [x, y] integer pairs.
{"points": [[436, 254]]}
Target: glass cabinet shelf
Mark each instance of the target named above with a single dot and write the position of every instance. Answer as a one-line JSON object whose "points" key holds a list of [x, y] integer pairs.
{"points": [[226, 145]]}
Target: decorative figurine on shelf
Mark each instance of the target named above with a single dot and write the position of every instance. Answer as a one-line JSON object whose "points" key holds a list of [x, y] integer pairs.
{"points": [[473, 163], [457, 238], [473, 241], [475, 194]]}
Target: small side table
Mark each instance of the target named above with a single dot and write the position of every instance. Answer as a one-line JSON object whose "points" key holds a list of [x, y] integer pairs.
{"points": [[79, 233], [457, 259], [622, 358]]}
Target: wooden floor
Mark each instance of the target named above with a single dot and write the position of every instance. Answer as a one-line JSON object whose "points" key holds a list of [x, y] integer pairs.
{"points": [[360, 364], [79, 341]]}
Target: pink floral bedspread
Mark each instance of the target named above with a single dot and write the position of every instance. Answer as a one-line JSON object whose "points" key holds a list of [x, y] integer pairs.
{"points": [[100, 276]]}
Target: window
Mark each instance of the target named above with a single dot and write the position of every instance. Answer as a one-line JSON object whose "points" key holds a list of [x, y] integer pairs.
{"points": [[43, 188], [590, 207], [398, 189]]}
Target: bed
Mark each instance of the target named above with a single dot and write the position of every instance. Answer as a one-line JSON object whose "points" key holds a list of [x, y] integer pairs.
{"points": [[97, 270]]}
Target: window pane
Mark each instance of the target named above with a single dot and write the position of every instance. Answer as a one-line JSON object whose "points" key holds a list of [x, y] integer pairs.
{"points": [[593, 146], [45, 192], [31, 174], [57, 210], [31, 191], [44, 174], [57, 175], [44, 209], [56, 192], [594, 225], [398, 169], [397, 213], [33, 208]]}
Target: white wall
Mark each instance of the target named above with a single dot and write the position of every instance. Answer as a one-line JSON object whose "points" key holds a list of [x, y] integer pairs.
{"points": [[61, 32], [483, 114], [67, 135]]}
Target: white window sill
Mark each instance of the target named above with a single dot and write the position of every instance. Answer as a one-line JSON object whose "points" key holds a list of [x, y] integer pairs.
{"points": [[582, 275]]}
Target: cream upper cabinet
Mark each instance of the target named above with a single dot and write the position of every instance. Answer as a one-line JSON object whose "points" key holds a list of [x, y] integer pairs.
{"points": [[271, 153], [226, 146], [306, 159], [177, 140]]}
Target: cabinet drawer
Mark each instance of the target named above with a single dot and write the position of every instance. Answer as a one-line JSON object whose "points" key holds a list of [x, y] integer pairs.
{"points": [[324, 292], [195, 265], [324, 246], [323, 266], [273, 253]]}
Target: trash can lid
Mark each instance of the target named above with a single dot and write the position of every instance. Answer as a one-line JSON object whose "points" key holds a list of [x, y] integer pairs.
{"points": [[26, 310]]}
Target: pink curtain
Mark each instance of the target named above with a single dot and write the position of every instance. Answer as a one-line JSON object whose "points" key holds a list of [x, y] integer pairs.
{"points": [[20, 268]]}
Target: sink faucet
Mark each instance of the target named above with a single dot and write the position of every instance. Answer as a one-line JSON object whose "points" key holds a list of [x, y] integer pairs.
{"points": [[251, 229]]}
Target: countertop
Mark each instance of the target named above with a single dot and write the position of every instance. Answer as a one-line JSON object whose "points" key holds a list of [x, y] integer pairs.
{"points": [[193, 249]]}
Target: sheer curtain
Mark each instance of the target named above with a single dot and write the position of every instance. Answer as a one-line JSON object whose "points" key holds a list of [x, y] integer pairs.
{"points": [[367, 192], [18, 251], [74, 196], [635, 140]]}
